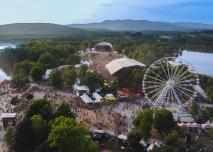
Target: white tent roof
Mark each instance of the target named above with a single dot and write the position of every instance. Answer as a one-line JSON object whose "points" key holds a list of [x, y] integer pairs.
{"points": [[97, 96], [118, 64], [104, 44], [80, 88], [109, 95], [86, 98], [98, 131], [8, 115], [123, 137]]}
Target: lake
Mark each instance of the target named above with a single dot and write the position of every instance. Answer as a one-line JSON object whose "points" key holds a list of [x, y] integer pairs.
{"points": [[3, 75], [202, 62], [3, 45]]}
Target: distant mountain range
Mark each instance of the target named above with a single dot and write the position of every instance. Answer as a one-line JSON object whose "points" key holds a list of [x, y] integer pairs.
{"points": [[34, 30], [144, 25], [39, 30]]}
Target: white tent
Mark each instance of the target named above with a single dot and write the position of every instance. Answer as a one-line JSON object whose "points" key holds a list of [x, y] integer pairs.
{"points": [[186, 118], [98, 98], [86, 99], [98, 131], [47, 74], [118, 64], [8, 115], [122, 137], [79, 90]]}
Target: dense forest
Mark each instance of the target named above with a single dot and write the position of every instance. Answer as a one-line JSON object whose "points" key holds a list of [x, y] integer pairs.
{"points": [[145, 47], [45, 53]]}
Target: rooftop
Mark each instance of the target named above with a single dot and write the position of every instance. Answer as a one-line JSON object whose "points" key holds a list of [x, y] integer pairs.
{"points": [[118, 64], [8, 115], [104, 44]]}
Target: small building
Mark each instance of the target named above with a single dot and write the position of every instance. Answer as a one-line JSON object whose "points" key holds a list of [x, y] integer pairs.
{"points": [[203, 106], [80, 90], [186, 118], [8, 119], [98, 98]]}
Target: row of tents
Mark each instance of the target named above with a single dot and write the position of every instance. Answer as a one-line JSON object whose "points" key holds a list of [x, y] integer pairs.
{"points": [[206, 125], [84, 92]]}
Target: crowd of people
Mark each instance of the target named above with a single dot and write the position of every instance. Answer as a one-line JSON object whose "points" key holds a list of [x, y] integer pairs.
{"points": [[115, 118]]}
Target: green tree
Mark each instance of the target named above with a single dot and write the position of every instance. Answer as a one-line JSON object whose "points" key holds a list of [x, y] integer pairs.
{"points": [[143, 122], [209, 112], [209, 93], [210, 133], [193, 109], [19, 80], [57, 79], [165, 148], [40, 107], [64, 110], [134, 138], [25, 139], [83, 71], [14, 100], [136, 76], [73, 59], [207, 85], [24, 67], [93, 80], [172, 138], [37, 73], [163, 121], [47, 60], [68, 136], [29, 97], [70, 75], [40, 127], [8, 137]]}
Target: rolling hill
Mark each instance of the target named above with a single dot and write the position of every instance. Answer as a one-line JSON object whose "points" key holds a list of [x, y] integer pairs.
{"points": [[195, 25], [39, 30], [143, 25]]}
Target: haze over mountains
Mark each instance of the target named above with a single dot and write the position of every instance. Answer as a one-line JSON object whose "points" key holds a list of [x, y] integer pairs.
{"points": [[27, 30], [144, 25], [39, 30]]}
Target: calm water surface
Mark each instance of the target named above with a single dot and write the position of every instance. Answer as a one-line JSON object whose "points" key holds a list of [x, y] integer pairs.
{"points": [[3, 76], [202, 62], [3, 45]]}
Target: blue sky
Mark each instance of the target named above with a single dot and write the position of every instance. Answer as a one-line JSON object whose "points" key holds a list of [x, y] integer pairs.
{"points": [[84, 11]]}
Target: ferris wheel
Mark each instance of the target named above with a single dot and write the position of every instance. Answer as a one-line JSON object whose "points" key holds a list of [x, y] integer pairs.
{"points": [[170, 80]]}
